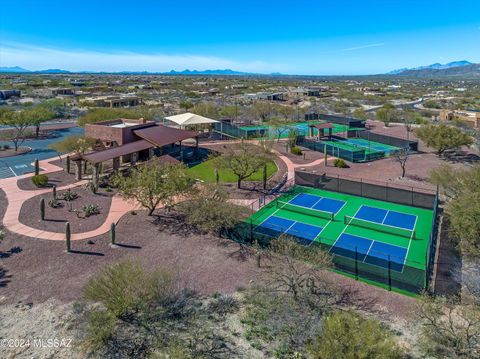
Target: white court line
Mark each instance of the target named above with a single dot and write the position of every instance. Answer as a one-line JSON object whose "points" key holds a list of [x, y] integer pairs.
{"points": [[313, 205], [386, 214], [312, 209], [344, 228], [409, 243], [308, 194], [343, 205], [369, 248], [388, 225], [334, 214]]}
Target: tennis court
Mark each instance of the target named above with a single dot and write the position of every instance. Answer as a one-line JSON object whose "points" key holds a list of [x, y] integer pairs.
{"points": [[282, 132], [375, 146], [375, 240], [351, 149], [21, 164]]}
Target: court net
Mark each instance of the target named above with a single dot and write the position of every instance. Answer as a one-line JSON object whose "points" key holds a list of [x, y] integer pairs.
{"points": [[402, 232], [304, 210]]}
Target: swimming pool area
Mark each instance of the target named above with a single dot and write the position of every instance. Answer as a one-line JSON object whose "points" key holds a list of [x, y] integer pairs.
{"points": [[268, 131], [282, 132], [18, 165]]}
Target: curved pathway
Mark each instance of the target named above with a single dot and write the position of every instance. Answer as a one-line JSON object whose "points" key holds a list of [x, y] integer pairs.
{"points": [[16, 197]]}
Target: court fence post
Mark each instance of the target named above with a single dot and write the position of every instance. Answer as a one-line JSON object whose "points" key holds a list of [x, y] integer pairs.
{"points": [[389, 274], [251, 229], [356, 263]]}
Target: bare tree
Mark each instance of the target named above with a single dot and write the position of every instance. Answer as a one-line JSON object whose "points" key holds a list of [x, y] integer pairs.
{"points": [[449, 329], [401, 156], [298, 270]]}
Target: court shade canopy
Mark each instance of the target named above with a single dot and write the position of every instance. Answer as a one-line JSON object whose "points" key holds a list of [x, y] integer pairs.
{"points": [[187, 119]]}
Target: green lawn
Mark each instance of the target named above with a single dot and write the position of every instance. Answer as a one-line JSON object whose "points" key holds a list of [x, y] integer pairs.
{"points": [[205, 171]]}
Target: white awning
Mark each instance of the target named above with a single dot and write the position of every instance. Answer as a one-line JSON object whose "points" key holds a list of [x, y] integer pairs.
{"points": [[188, 118]]}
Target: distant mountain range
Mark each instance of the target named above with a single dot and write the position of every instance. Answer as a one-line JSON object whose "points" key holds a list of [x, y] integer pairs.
{"points": [[187, 72], [459, 69], [452, 69]]}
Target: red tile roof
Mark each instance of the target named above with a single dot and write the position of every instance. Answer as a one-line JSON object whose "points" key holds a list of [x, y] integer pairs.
{"points": [[162, 135], [105, 155], [322, 126]]}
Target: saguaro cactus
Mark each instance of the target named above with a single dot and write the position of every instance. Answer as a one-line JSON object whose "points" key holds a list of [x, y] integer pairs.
{"points": [[54, 192], [37, 167], [67, 236], [112, 233], [265, 176], [42, 209], [68, 164], [217, 176]]}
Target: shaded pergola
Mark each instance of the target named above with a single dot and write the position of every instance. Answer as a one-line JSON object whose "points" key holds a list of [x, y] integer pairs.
{"points": [[189, 119], [321, 128], [148, 139]]}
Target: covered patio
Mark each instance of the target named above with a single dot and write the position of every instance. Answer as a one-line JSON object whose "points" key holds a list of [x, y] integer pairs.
{"points": [[152, 141], [321, 128], [190, 120]]}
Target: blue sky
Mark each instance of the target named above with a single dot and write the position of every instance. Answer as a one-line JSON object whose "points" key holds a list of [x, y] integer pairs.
{"points": [[294, 37]]}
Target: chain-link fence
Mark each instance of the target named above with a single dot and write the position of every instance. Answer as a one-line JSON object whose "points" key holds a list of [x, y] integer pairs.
{"points": [[382, 268], [352, 154], [387, 140], [384, 191]]}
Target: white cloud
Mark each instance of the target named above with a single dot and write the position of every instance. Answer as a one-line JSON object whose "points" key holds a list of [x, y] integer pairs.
{"points": [[39, 58], [362, 47]]}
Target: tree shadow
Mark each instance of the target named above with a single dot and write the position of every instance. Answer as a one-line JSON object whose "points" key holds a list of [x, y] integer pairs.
{"points": [[87, 253], [4, 277], [448, 277], [242, 254], [130, 246], [56, 220], [461, 157], [13, 250]]}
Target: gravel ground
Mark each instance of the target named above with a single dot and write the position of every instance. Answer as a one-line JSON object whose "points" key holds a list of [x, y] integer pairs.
{"points": [[55, 218], [59, 179]]}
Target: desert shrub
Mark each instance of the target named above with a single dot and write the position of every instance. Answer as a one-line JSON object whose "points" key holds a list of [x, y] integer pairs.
{"points": [[54, 203], [146, 314], [349, 335], [90, 186], [90, 210], [126, 287], [340, 163], [40, 180], [6, 147], [296, 150], [223, 305], [210, 211], [276, 321], [69, 195], [100, 328]]}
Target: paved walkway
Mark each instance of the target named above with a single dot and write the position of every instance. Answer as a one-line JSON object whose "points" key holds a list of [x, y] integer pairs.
{"points": [[16, 197]]}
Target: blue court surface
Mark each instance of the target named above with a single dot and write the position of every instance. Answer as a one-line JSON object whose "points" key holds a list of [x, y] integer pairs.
{"points": [[273, 226], [372, 145], [387, 217], [370, 251], [21, 164], [316, 202]]}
